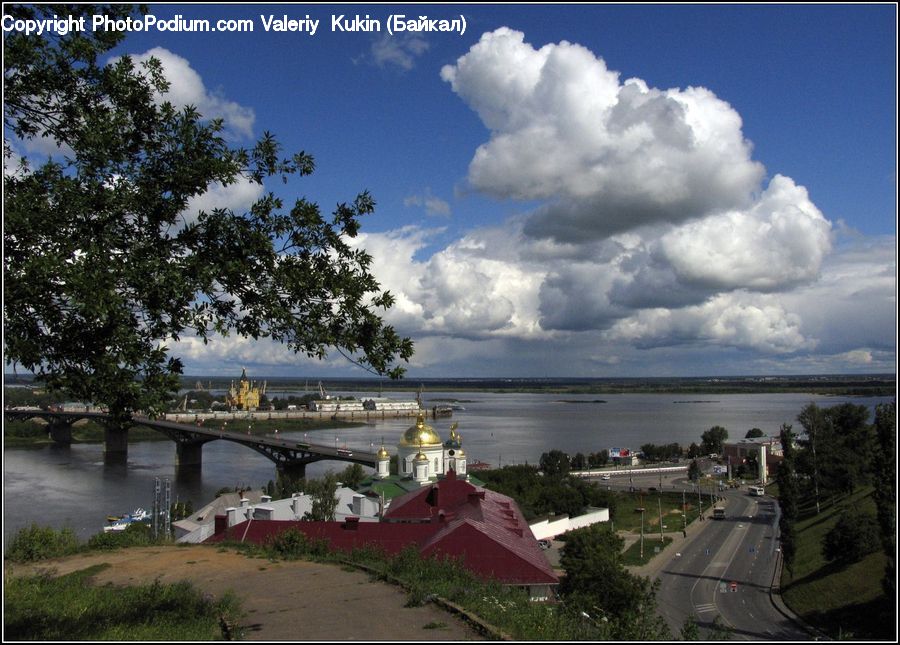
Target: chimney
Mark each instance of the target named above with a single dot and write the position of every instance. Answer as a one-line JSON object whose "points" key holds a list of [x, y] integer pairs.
{"points": [[245, 502], [351, 523], [265, 499]]}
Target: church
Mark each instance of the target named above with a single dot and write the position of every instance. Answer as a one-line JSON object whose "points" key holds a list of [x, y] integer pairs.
{"points": [[422, 457]]}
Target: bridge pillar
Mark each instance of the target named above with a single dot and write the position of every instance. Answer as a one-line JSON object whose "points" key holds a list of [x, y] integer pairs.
{"points": [[289, 476], [116, 440], [60, 431], [188, 453]]}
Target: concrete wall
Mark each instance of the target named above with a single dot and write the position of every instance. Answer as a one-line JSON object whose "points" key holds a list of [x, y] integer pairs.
{"points": [[557, 525]]}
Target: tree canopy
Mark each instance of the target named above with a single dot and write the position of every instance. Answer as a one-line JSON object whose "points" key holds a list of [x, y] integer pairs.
{"points": [[104, 266]]}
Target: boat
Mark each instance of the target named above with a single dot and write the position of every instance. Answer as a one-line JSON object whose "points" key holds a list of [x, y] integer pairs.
{"points": [[441, 411], [121, 523]]}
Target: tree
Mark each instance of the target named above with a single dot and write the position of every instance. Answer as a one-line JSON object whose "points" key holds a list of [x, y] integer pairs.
{"points": [[324, 503], [712, 440], [104, 265], [595, 576], [694, 471], [752, 433], [555, 463], [693, 451], [353, 475], [886, 489], [787, 497], [854, 536]]}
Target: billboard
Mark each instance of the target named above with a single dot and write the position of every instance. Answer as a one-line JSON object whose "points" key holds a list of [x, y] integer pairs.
{"points": [[619, 452]]}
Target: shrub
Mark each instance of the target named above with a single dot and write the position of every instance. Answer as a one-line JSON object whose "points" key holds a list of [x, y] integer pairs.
{"points": [[135, 534], [853, 537], [40, 543]]}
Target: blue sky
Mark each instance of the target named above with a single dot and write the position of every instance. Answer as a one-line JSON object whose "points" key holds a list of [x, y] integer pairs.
{"points": [[540, 213]]}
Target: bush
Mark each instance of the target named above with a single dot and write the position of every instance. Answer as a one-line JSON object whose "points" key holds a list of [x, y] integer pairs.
{"points": [[40, 543], [135, 534], [853, 537]]}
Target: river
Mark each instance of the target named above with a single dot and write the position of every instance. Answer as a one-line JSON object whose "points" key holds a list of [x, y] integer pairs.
{"points": [[73, 486]]}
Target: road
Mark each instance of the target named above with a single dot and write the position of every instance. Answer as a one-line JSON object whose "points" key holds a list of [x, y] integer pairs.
{"points": [[726, 570]]}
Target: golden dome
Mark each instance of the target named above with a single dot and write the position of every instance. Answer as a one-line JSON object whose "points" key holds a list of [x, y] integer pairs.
{"points": [[421, 457], [383, 454], [420, 434]]}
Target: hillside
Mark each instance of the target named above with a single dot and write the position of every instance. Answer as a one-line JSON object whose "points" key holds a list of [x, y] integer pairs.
{"points": [[845, 601]]}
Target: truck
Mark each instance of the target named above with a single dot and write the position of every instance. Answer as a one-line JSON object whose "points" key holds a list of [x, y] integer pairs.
{"points": [[757, 491], [718, 513]]}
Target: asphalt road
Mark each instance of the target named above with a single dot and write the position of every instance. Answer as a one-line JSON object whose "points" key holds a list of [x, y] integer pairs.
{"points": [[726, 570]]}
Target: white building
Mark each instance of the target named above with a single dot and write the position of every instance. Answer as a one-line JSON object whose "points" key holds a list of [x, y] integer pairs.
{"points": [[423, 457], [255, 506]]}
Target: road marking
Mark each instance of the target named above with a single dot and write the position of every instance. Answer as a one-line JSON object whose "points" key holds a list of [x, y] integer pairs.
{"points": [[704, 608]]}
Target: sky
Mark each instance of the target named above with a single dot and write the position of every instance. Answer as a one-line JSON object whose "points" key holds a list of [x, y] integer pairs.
{"points": [[578, 190]]}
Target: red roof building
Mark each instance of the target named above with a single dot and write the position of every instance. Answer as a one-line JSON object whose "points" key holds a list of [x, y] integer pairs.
{"points": [[483, 529]]}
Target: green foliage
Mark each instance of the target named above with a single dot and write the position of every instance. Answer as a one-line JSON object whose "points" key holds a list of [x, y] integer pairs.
{"points": [[712, 440], [555, 464], [886, 489], [135, 534], [102, 263], [539, 495], [839, 448], [292, 544], [597, 584], [324, 502], [40, 543], [352, 476], [693, 472], [753, 433], [80, 611], [854, 536], [653, 452]]}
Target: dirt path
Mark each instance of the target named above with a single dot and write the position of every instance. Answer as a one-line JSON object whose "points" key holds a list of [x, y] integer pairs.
{"points": [[288, 601]]}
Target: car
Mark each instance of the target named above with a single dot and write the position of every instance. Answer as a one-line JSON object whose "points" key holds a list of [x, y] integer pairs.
{"points": [[544, 544], [604, 477]]}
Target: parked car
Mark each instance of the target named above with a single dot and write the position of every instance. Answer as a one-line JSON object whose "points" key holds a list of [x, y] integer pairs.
{"points": [[544, 544], [605, 477]]}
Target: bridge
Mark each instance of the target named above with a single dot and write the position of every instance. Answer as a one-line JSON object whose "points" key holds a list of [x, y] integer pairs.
{"points": [[290, 457]]}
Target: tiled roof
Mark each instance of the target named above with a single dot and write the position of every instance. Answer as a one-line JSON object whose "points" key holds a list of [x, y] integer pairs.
{"points": [[452, 517]]}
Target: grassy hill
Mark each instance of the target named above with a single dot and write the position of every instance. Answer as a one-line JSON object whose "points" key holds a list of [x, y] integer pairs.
{"points": [[845, 601]]}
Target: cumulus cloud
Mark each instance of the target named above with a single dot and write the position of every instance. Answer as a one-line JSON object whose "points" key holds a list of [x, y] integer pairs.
{"points": [[238, 196], [187, 88], [737, 320], [608, 155], [780, 241]]}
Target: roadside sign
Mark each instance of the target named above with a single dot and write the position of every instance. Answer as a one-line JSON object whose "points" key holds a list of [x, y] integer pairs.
{"points": [[733, 586]]}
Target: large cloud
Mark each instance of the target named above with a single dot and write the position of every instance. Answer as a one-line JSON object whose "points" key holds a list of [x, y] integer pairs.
{"points": [[609, 156], [186, 87]]}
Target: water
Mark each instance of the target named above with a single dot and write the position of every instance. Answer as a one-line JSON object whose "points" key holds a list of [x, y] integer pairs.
{"points": [[73, 486]]}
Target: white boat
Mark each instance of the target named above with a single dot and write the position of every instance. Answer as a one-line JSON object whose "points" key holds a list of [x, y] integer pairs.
{"points": [[139, 515]]}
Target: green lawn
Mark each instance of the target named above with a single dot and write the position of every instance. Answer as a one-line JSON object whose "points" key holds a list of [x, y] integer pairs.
{"points": [[628, 518], [844, 600]]}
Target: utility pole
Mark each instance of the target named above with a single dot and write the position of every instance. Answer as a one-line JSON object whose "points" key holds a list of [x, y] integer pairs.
{"points": [[700, 501], [659, 504], [684, 512], [642, 534]]}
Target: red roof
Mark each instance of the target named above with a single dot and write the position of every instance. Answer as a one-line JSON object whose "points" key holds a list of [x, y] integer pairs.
{"points": [[452, 517]]}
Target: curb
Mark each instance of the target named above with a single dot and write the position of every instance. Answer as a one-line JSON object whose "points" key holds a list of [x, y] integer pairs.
{"points": [[781, 606]]}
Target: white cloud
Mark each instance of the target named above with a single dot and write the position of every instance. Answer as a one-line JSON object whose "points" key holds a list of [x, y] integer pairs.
{"points": [[434, 206], [238, 196], [755, 322], [399, 50], [610, 156], [780, 241], [187, 88]]}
